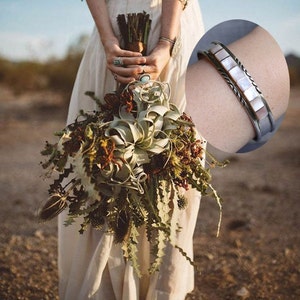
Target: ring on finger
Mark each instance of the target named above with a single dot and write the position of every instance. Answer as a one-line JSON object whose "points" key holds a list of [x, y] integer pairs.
{"points": [[144, 78], [115, 76], [118, 61]]}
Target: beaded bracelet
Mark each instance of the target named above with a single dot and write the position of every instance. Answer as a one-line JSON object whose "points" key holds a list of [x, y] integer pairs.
{"points": [[244, 87]]}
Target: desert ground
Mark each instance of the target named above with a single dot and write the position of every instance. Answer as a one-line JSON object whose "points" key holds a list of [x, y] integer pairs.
{"points": [[256, 255]]}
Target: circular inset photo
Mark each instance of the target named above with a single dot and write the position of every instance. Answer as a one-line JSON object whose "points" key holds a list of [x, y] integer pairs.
{"points": [[237, 86]]}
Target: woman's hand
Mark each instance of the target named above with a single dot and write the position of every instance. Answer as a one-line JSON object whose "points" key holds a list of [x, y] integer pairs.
{"points": [[130, 63], [157, 60]]}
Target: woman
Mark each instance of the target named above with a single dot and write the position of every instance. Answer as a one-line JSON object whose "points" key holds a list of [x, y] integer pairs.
{"points": [[91, 266]]}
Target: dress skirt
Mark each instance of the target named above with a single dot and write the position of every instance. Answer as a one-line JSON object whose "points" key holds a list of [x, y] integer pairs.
{"points": [[91, 265]]}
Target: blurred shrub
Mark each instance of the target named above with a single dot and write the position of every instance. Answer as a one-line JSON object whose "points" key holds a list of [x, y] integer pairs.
{"points": [[61, 74], [55, 74], [293, 63], [22, 76]]}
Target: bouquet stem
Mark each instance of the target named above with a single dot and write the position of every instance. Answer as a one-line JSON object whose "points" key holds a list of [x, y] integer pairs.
{"points": [[135, 31]]}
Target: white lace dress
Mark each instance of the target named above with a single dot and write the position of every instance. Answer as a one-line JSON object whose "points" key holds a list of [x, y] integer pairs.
{"points": [[91, 265]]}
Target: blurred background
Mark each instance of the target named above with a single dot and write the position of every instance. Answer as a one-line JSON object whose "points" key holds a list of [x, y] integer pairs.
{"points": [[42, 42], [257, 253]]}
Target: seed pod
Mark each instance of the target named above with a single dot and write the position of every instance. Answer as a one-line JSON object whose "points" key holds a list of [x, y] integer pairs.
{"points": [[54, 206]]}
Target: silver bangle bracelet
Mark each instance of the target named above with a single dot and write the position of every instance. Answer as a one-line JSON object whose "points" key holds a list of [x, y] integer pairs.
{"points": [[244, 87]]}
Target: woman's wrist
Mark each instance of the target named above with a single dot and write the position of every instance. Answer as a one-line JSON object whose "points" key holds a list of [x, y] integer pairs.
{"points": [[108, 42], [163, 47], [166, 43], [221, 119]]}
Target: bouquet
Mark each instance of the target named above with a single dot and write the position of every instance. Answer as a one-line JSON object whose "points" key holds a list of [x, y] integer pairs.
{"points": [[127, 165]]}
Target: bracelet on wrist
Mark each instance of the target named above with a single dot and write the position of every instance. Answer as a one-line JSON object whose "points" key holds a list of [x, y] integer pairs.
{"points": [[165, 39], [173, 44], [243, 86]]}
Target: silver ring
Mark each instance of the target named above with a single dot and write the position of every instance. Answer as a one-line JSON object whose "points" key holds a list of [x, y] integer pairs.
{"points": [[115, 76], [144, 78], [118, 61]]}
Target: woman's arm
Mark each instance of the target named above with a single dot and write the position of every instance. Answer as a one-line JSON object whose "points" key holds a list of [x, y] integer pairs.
{"points": [[170, 21], [218, 114], [111, 45]]}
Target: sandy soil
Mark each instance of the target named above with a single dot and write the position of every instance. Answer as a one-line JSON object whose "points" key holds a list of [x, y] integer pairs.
{"points": [[255, 257]]}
